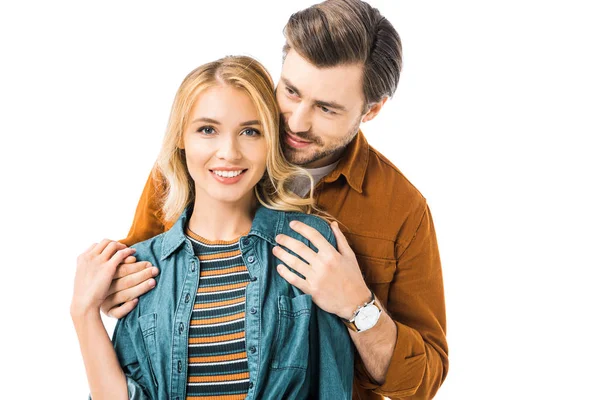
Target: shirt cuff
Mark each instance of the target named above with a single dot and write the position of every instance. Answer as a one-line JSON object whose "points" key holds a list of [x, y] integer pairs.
{"points": [[406, 369]]}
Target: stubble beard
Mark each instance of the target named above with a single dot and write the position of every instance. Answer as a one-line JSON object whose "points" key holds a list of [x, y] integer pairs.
{"points": [[298, 157]]}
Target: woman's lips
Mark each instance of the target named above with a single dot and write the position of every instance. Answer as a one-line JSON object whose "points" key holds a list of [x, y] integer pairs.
{"points": [[227, 179]]}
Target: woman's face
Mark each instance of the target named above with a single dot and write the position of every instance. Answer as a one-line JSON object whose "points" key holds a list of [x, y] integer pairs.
{"points": [[224, 144]]}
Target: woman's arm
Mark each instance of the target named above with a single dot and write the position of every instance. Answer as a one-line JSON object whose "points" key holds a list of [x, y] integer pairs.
{"points": [[105, 376], [95, 269]]}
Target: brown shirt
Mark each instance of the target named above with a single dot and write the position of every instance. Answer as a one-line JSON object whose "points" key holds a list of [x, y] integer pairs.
{"points": [[389, 226]]}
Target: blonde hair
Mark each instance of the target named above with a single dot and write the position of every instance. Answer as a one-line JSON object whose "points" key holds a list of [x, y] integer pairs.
{"points": [[249, 75]]}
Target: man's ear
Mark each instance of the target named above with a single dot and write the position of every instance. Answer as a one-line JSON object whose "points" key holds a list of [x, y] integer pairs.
{"points": [[374, 110]]}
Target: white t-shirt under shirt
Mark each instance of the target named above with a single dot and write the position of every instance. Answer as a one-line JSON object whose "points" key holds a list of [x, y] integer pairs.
{"points": [[301, 185]]}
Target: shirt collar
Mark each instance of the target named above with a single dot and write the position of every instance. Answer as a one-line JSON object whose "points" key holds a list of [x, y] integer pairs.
{"points": [[267, 224], [353, 164]]}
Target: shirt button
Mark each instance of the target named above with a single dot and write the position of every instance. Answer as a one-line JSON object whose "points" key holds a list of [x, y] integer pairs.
{"points": [[253, 310], [252, 349], [251, 259], [187, 297], [193, 268], [245, 241], [181, 327], [253, 279], [251, 385], [179, 366]]}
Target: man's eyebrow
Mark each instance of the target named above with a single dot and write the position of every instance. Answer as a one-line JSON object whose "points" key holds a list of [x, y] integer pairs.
{"points": [[320, 103], [330, 104], [291, 86]]}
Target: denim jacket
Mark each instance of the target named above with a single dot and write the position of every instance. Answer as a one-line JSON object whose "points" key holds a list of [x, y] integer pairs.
{"points": [[295, 349]]}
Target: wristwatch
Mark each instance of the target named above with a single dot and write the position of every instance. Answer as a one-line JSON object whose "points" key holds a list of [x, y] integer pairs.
{"points": [[365, 317]]}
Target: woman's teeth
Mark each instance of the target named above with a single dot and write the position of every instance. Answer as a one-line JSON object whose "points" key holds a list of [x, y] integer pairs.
{"points": [[227, 174]]}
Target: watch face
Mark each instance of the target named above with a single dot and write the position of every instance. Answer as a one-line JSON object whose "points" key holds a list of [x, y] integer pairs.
{"points": [[367, 317]]}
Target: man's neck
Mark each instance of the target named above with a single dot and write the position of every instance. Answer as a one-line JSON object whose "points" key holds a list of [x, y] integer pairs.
{"points": [[325, 161]]}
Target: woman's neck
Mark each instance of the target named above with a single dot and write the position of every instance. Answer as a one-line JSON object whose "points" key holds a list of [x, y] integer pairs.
{"points": [[216, 220]]}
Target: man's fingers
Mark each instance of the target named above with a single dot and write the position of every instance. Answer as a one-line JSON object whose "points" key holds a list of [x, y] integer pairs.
{"points": [[292, 261], [123, 296], [342, 243], [134, 279], [297, 247], [292, 278], [122, 310], [311, 234], [125, 269], [130, 260]]}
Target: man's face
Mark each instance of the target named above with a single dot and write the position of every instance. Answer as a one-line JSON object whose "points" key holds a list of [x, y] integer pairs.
{"points": [[321, 110]]}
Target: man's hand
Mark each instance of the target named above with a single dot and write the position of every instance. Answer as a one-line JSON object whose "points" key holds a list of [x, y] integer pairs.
{"points": [[131, 280], [95, 268], [332, 277]]}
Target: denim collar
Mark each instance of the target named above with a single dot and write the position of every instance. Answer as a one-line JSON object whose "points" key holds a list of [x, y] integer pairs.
{"points": [[266, 225]]}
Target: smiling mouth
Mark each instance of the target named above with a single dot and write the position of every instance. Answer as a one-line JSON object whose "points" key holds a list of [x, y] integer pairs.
{"points": [[228, 174]]}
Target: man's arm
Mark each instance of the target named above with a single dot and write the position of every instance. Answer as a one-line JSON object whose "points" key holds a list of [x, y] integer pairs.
{"points": [[419, 361], [148, 221], [405, 355], [132, 278]]}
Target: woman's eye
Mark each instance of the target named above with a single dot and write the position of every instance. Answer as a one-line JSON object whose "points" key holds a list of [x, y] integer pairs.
{"points": [[207, 130], [250, 132]]}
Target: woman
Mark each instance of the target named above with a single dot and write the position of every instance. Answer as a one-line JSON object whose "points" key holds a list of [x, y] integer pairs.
{"points": [[221, 322]]}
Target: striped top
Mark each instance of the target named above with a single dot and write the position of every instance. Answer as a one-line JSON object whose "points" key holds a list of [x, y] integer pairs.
{"points": [[217, 360]]}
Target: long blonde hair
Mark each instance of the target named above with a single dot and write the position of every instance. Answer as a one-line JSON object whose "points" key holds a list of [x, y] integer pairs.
{"points": [[249, 75]]}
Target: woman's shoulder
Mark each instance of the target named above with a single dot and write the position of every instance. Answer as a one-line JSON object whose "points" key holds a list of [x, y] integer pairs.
{"points": [[314, 221], [150, 248]]}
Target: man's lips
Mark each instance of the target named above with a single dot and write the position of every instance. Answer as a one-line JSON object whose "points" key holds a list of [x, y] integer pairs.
{"points": [[295, 141]]}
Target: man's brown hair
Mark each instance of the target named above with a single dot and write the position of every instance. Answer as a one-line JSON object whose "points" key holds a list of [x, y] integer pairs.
{"points": [[338, 32]]}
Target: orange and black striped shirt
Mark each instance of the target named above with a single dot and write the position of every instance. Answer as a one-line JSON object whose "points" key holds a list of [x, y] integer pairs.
{"points": [[217, 361]]}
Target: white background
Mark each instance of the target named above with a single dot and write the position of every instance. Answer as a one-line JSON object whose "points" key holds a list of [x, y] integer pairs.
{"points": [[496, 121]]}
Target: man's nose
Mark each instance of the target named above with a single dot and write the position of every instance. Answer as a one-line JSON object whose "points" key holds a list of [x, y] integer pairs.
{"points": [[300, 119]]}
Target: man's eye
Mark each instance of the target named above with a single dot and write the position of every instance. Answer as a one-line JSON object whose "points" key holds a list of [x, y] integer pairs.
{"points": [[327, 110], [290, 91], [207, 130], [250, 132]]}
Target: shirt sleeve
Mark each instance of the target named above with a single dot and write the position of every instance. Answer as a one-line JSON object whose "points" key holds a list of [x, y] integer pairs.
{"points": [[148, 221], [416, 303], [127, 355]]}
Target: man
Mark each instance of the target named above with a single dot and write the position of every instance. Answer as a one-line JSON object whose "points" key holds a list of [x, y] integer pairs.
{"points": [[342, 62]]}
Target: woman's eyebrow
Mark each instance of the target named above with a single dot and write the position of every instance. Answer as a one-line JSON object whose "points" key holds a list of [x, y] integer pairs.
{"points": [[253, 122], [209, 120]]}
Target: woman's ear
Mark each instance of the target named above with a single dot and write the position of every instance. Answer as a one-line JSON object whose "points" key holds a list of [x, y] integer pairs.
{"points": [[180, 143]]}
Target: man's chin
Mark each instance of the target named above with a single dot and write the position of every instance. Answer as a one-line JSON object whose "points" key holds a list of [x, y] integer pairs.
{"points": [[297, 157]]}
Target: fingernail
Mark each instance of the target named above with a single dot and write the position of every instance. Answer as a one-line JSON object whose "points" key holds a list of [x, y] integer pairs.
{"points": [[154, 271], [293, 223], [135, 300], [151, 283]]}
